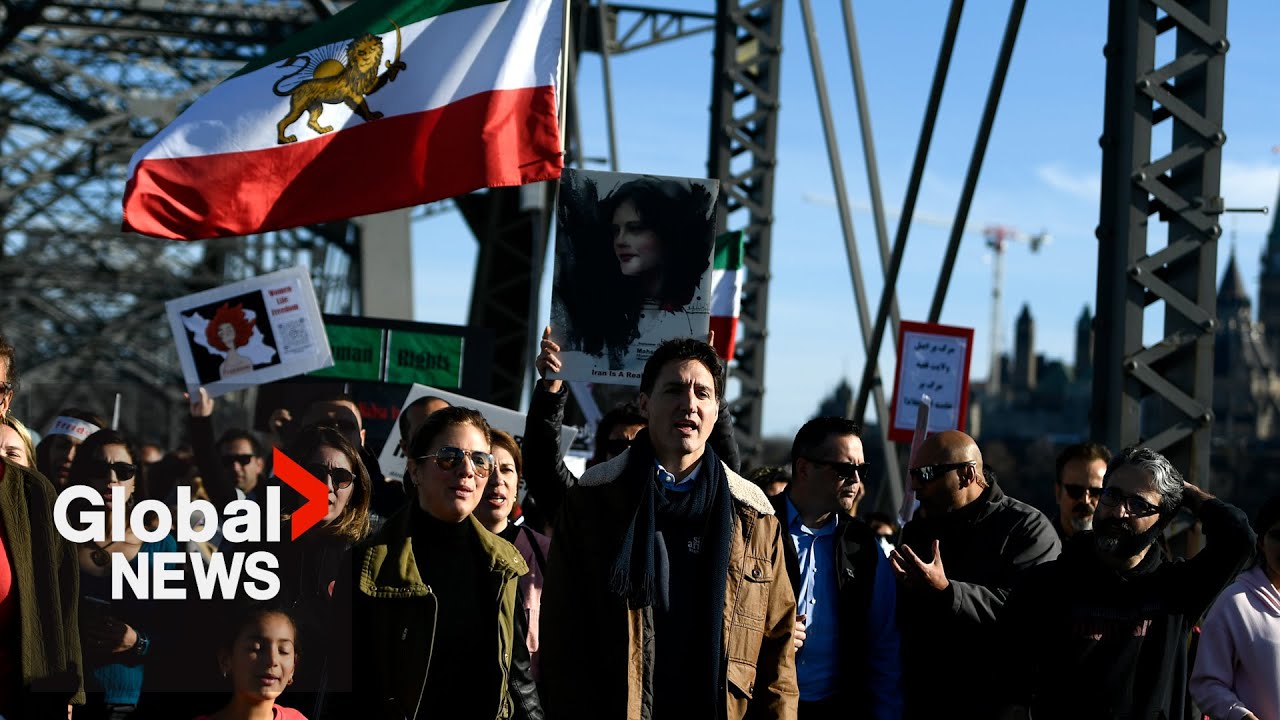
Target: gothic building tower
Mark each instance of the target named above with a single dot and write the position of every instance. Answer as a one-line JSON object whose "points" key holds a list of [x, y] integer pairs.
{"points": [[1269, 288], [1246, 385], [1084, 345], [1024, 362]]}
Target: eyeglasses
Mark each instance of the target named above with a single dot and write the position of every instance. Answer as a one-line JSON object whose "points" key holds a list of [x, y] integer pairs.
{"points": [[1134, 505], [928, 473], [1076, 492], [342, 477], [845, 470], [124, 471], [240, 460], [616, 446], [448, 458]]}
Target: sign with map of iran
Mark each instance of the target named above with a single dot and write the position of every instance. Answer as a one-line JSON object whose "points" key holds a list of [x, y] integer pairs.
{"points": [[933, 360], [249, 332]]}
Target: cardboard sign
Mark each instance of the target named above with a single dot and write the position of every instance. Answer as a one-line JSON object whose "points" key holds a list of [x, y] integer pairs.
{"points": [[392, 460], [249, 332], [633, 268], [933, 360]]}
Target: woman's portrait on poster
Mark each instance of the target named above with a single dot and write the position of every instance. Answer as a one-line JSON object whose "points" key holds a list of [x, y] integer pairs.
{"points": [[230, 338], [228, 330], [641, 249]]}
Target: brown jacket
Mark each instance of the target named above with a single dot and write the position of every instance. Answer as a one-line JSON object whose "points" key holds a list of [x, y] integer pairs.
{"points": [[589, 635]]}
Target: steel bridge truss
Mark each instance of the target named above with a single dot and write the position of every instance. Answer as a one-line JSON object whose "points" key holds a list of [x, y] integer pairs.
{"points": [[744, 130], [83, 84], [1160, 395]]}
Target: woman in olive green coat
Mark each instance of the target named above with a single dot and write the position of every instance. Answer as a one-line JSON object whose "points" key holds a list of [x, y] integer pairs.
{"points": [[436, 628]]}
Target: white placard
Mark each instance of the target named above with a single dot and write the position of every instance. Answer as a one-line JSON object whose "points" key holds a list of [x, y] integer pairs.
{"points": [[392, 460], [249, 332], [936, 364]]}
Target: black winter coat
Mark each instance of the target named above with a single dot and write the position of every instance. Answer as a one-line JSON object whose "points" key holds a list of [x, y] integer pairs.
{"points": [[1085, 641], [948, 637]]}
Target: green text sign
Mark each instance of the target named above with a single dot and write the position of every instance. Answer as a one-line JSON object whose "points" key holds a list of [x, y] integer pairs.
{"points": [[423, 358], [357, 353]]}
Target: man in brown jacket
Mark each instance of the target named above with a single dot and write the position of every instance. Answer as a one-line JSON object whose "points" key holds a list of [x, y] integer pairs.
{"points": [[667, 593]]}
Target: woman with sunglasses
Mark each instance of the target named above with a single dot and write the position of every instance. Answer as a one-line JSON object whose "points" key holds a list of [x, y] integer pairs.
{"points": [[435, 598], [494, 512], [117, 637]]}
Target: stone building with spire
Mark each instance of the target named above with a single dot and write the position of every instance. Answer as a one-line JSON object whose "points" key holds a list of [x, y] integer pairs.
{"points": [[1246, 384], [1037, 396], [1269, 287]]}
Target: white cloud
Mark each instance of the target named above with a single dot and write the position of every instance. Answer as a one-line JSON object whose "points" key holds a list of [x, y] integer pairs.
{"points": [[1085, 186]]}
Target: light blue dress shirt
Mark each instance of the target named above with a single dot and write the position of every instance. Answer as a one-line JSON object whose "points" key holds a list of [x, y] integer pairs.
{"points": [[818, 662]]}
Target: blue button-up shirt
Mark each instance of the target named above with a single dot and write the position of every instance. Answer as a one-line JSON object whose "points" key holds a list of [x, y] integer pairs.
{"points": [[818, 662], [669, 479]]}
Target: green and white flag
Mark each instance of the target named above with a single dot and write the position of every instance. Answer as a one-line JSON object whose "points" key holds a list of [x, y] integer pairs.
{"points": [[727, 276]]}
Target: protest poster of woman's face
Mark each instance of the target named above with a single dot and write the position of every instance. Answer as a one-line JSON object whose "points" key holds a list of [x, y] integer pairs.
{"points": [[633, 268]]}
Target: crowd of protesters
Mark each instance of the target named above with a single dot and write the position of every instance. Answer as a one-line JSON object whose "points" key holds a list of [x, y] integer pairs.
{"points": [[659, 584]]}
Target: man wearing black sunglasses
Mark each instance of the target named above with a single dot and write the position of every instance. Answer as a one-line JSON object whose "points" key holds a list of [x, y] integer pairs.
{"points": [[241, 456], [1078, 486], [1103, 631], [233, 466], [847, 661], [958, 559]]}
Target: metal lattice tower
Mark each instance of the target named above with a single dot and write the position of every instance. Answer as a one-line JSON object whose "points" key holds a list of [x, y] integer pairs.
{"points": [[744, 128], [1162, 394], [83, 84]]}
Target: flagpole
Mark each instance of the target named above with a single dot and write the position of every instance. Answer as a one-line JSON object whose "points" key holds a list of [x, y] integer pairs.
{"points": [[545, 227], [563, 101]]}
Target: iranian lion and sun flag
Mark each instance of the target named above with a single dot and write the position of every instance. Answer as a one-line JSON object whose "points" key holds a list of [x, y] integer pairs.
{"points": [[388, 104]]}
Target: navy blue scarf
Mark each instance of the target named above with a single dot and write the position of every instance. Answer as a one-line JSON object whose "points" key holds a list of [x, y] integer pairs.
{"points": [[638, 577]]}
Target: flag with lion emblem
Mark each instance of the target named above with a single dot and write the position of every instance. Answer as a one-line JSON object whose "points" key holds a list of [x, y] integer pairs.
{"points": [[388, 104]]}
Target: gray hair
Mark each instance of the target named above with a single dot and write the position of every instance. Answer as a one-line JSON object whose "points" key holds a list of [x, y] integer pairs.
{"points": [[1167, 479]]}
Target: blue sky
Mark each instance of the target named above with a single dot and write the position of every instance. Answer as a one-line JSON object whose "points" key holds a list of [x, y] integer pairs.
{"points": [[1041, 173]]}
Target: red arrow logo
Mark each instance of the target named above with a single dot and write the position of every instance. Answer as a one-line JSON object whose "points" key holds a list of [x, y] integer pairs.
{"points": [[316, 492]]}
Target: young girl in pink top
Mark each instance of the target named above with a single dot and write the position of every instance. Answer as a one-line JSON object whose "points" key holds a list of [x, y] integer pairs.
{"points": [[259, 661], [1237, 670]]}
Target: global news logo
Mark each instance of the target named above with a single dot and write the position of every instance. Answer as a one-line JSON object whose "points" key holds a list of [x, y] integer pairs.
{"points": [[223, 574]]}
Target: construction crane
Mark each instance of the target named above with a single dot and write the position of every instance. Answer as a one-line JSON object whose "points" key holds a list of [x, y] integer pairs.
{"points": [[998, 238]]}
